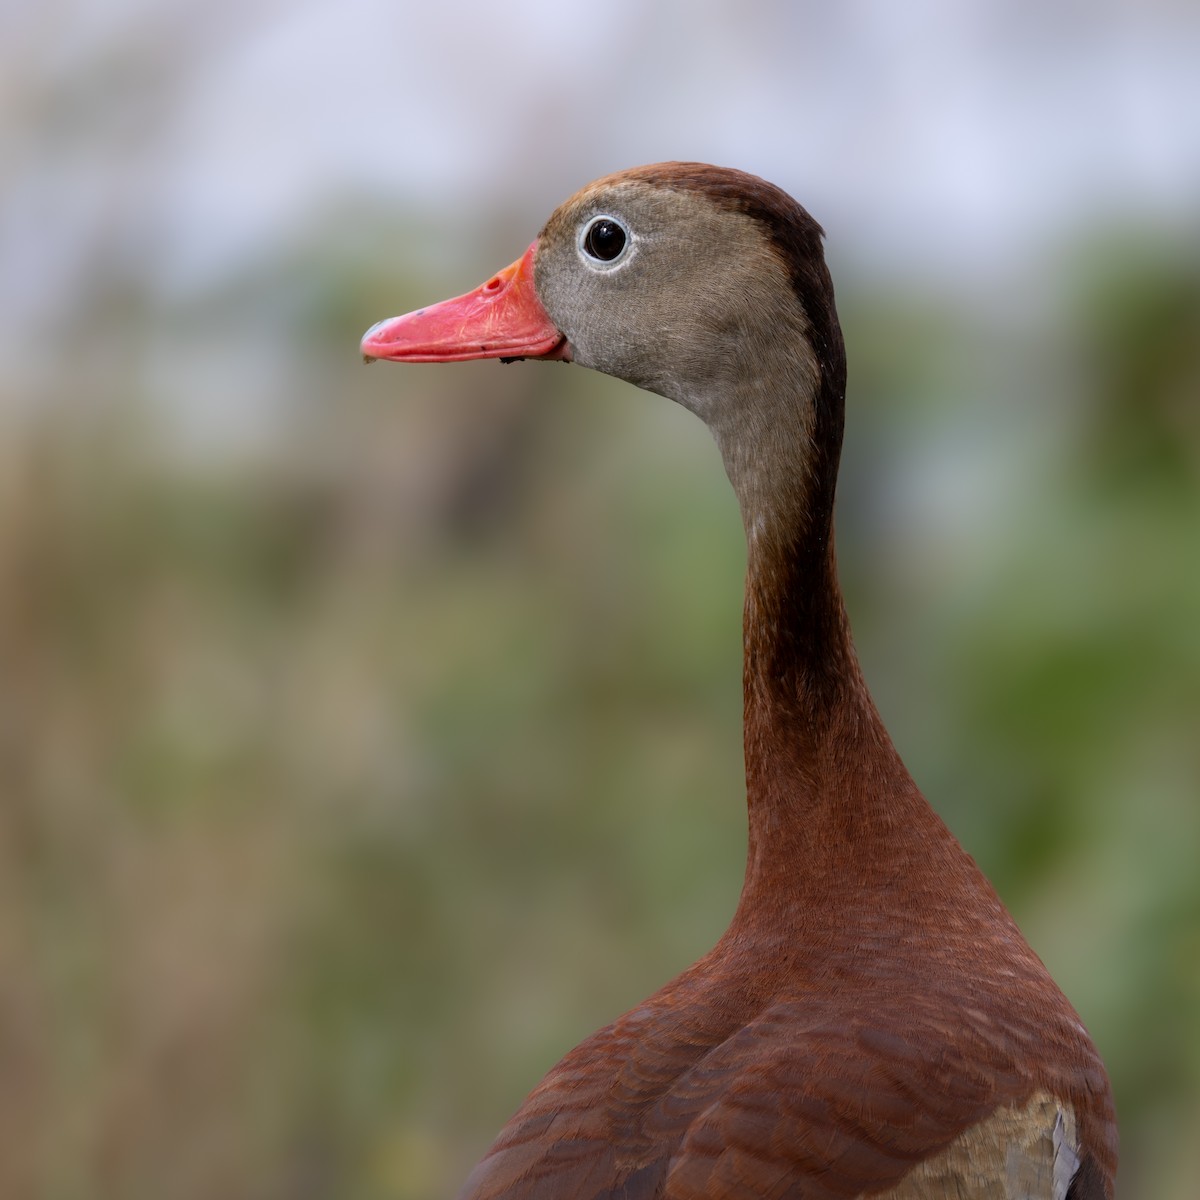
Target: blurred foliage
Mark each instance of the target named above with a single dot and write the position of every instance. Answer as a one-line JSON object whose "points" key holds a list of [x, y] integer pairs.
{"points": [[350, 778]]}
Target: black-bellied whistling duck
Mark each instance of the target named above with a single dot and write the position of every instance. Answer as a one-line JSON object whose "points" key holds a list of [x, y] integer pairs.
{"points": [[872, 1023]]}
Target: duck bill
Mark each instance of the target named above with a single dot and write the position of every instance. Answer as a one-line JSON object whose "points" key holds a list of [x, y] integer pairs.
{"points": [[502, 318]]}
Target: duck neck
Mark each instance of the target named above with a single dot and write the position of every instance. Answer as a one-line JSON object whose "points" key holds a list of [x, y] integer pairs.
{"points": [[803, 690], [826, 792], [799, 665]]}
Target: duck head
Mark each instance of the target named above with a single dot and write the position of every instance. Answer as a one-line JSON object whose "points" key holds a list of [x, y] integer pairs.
{"points": [[703, 284]]}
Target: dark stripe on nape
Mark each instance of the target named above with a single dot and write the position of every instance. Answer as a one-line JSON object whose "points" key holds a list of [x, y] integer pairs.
{"points": [[1087, 1184], [809, 632], [796, 238], [795, 235]]}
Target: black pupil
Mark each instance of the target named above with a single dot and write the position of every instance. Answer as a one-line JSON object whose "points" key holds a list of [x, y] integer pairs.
{"points": [[605, 240]]}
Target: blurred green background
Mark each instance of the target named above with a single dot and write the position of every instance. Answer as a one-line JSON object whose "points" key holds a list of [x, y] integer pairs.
{"points": [[368, 737]]}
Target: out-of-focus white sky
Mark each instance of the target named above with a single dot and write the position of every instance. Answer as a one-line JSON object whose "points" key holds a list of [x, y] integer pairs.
{"points": [[189, 138]]}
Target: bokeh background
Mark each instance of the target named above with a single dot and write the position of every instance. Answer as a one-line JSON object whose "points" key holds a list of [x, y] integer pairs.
{"points": [[368, 737]]}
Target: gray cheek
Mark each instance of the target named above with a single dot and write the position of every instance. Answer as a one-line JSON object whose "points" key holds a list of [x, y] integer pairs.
{"points": [[595, 327]]}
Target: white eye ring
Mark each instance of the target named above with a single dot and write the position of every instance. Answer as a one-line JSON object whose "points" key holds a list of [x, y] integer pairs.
{"points": [[604, 242]]}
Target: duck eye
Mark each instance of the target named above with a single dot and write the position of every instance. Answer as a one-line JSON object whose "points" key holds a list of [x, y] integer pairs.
{"points": [[605, 239]]}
